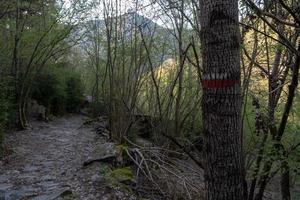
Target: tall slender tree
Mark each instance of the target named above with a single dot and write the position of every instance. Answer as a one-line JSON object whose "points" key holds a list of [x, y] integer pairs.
{"points": [[224, 174]]}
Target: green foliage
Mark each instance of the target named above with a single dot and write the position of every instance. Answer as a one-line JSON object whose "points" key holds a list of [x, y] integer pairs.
{"points": [[97, 107], [122, 153], [59, 89], [74, 93], [46, 89], [5, 103]]}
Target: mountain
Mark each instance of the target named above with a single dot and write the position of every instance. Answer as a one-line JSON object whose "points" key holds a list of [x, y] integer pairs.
{"points": [[127, 24]]}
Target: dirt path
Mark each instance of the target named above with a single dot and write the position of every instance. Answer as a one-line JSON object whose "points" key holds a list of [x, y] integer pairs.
{"points": [[46, 163]]}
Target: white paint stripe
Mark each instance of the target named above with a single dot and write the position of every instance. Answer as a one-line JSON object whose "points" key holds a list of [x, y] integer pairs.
{"points": [[215, 76]]}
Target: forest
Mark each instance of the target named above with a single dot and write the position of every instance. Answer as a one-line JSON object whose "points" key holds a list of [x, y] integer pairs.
{"points": [[150, 99]]}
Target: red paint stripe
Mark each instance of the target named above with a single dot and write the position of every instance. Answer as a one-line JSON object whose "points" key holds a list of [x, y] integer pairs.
{"points": [[218, 83]]}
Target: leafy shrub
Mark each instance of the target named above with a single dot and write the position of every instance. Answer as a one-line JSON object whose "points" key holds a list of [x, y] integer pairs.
{"points": [[4, 108], [60, 90], [74, 94], [96, 108], [47, 90]]}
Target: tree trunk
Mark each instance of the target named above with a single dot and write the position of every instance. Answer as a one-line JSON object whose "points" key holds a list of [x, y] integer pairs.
{"points": [[221, 105], [285, 179], [180, 88]]}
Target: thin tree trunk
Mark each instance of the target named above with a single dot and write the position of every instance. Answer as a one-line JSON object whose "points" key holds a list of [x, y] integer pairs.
{"points": [[179, 92], [224, 174], [285, 179], [257, 167]]}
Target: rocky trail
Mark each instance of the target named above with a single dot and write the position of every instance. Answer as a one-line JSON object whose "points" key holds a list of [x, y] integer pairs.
{"points": [[46, 162]]}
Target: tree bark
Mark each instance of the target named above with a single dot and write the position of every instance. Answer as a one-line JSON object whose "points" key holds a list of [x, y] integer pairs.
{"points": [[285, 179], [221, 107]]}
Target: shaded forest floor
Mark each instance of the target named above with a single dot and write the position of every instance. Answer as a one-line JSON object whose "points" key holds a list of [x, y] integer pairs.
{"points": [[46, 162]]}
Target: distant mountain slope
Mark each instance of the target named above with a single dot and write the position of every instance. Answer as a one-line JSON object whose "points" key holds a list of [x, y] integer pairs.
{"points": [[127, 23]]}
